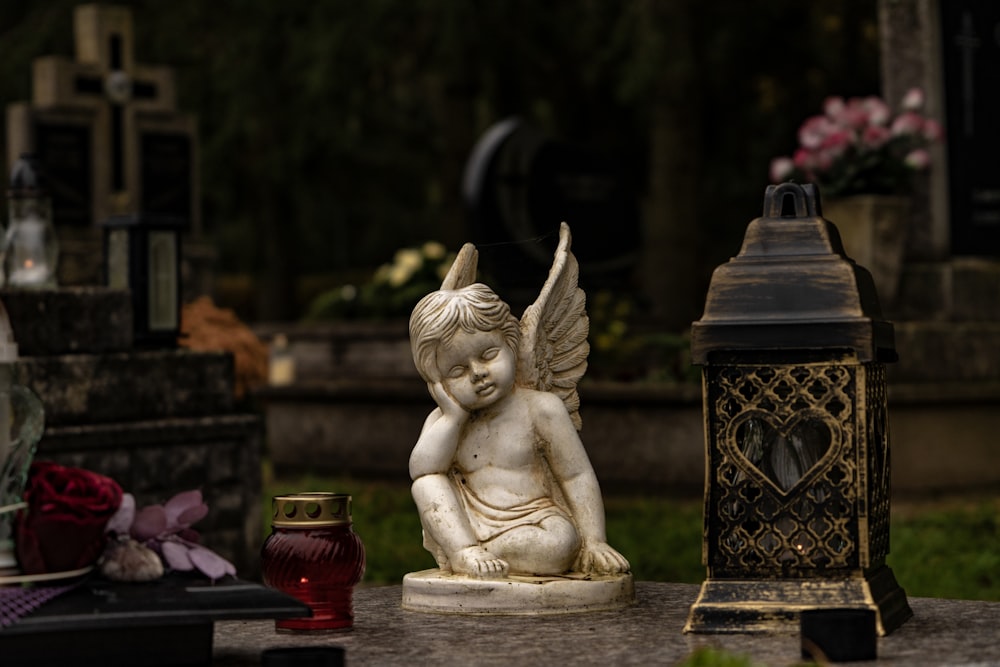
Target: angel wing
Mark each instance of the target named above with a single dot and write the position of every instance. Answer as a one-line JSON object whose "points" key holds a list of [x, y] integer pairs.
{"points": [[554, 348], [463, 270]]}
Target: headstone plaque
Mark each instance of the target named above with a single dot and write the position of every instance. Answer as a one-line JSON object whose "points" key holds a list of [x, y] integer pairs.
{"points": [[167, 165], [970, 35], [520, 185], [65, 150]]}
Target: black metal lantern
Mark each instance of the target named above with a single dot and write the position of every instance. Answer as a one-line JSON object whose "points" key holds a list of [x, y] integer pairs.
{"points": [[793, 346], [142, 254]]}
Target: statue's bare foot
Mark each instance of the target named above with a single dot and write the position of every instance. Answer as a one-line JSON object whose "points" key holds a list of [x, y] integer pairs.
{"points": [[478, 562]]}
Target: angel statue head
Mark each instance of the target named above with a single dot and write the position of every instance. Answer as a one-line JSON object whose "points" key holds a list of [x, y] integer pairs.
{"points": [[500, 475], [442, 314]]}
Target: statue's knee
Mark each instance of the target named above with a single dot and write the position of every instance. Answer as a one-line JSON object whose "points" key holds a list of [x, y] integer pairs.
{"points": [[562, 530]]}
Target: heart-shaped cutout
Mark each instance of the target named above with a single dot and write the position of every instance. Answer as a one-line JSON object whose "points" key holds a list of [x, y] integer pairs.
{"points": [[783, 452]]}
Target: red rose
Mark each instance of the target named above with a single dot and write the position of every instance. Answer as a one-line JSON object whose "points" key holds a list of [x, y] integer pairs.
{"points": [[63, 527]]}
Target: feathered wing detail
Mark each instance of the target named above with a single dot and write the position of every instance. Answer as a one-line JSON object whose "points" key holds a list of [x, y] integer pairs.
{"points": [[554, 347], [463, 270]]}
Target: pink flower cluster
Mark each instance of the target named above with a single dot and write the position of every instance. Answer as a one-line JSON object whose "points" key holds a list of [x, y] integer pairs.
{"points": [[857, 146], [167, 530]]}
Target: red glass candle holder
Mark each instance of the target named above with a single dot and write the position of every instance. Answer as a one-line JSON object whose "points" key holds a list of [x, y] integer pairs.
{"points": [[314, 555]]}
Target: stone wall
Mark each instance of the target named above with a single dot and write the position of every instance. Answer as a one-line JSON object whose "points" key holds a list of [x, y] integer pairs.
{"points": [[340, 418], [367, 427]]}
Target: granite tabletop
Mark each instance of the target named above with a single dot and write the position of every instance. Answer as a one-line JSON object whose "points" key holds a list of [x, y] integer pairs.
{"points": [[941, 632]]}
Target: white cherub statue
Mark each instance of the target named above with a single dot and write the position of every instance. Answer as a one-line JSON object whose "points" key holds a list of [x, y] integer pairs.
{"points": [[500, 477]]}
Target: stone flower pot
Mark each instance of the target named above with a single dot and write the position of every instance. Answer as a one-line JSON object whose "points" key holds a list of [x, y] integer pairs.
{"points": [[874, 229]]}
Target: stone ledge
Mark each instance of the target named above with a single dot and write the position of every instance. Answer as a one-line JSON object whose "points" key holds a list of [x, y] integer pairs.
{"points": [[909, 394], [637, 440], [69, 320], [124, 386], [324, 350], [960, 289], [935, 352], [942, 632]]}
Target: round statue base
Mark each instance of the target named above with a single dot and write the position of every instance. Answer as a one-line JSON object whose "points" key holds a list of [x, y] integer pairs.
{"points": [[445, 593]]}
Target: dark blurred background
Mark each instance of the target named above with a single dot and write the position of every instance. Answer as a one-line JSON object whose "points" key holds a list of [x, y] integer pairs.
{"points": [[333, 133]]}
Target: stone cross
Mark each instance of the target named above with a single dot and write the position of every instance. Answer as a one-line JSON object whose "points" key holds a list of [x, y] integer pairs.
{"points": [[952, 51], [105, 128], [970, 55], [968, 42]]}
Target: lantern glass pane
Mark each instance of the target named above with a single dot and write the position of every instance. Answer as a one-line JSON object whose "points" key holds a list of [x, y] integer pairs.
{"points": [[118, 259], [32, 249], [162, 280]]}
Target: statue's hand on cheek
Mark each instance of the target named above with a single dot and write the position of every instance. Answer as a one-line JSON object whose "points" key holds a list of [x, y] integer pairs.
{"points": [[450, 408]]}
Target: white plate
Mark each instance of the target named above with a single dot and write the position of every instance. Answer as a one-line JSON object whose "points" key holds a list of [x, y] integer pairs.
{"points": [[48, 576]]}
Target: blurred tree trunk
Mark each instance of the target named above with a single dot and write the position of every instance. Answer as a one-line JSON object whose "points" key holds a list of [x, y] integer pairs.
{"points": [[670, 261]]}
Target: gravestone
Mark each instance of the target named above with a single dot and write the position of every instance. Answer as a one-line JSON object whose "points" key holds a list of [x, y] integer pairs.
{"points": [[520, 184], [106, 131], [158, 421], [944, 391], [970, 55]]}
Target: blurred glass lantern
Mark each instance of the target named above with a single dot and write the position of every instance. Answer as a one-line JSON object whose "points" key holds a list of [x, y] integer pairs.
{"points": [[142, 254], [31, 247], [793, 348], [22, 420]]}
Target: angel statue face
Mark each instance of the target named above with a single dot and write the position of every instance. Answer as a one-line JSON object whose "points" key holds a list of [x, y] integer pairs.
{"points": [[466, 339], [477, 368]]}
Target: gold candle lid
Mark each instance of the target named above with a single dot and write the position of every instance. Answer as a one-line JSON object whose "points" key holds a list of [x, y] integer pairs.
{"points": [[311, 510]]}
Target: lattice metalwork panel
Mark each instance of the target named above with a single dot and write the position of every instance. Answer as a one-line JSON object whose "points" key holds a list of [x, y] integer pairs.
{"points": [[877, 429], [784, 497]]}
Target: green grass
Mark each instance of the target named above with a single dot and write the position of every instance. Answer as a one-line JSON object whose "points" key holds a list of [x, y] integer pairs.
{"points": [[384, 516], [948, 549], [713, 657], [661, 537], [939, 549]]}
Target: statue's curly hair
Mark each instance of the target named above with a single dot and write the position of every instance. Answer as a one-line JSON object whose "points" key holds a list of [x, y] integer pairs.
{"points": [[441, 314]]}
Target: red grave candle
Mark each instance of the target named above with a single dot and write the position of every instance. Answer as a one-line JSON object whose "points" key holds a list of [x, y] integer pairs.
{"points": [[313, 554]]}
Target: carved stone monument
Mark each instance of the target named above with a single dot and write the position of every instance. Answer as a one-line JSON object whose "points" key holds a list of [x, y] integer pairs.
{"points": [[510, 505], [108, 135]]}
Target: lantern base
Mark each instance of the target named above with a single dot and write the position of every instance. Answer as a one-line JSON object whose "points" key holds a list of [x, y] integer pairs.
{"points": [[773, 605], [445, 593]]}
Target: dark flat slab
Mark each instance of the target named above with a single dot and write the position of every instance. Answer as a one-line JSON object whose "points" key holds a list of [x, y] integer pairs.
{"points": [[126, 386], [69, 320], [942, 632], [165, 622]]}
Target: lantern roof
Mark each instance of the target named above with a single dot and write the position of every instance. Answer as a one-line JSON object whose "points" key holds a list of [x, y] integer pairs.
{"points": [[792, 287]]}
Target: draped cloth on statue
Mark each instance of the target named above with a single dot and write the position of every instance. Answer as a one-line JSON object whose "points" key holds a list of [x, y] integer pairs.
{"points": [[489, 521]]}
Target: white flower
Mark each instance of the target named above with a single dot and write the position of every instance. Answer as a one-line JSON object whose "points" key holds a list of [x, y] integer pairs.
{"points": [[878, 111], [399, 274], [913, 100], [918, 159], [781, 169], [409, 258], [434, 250], [382, 273]]}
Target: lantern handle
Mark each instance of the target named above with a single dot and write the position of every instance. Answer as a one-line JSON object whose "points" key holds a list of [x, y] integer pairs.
{"points": [[805, 200]]}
